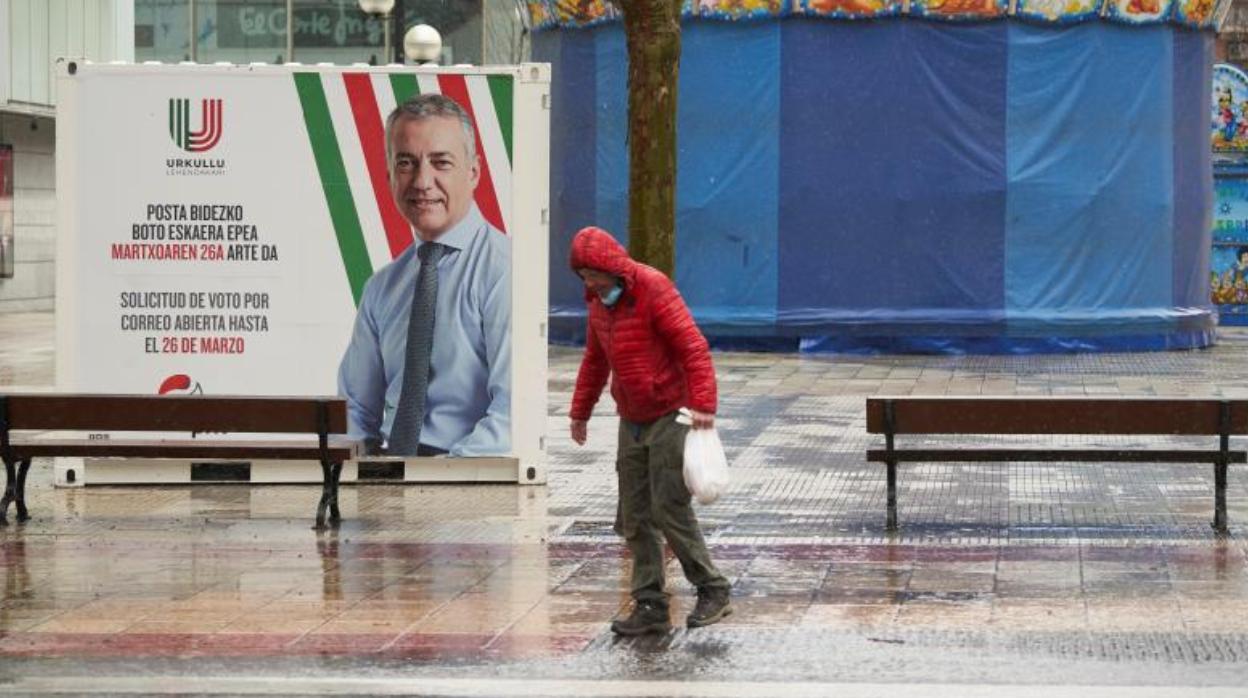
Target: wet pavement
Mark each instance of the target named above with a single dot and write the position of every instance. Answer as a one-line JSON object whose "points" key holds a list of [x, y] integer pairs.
{"points": [[1021, 579]]}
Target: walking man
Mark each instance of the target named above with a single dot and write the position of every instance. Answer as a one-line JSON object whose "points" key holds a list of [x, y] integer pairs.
{"points": [[642, 336]]}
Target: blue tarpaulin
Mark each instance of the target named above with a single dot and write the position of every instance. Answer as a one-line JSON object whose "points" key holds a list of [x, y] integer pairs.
{"points": [[912, 186]]}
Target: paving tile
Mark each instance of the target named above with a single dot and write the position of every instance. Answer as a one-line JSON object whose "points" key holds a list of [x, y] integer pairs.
{"points": [[1150, 615], [273, 625], [849, 616], [18, 621], [573, 616], [343, 643], [762, 612], [474, 614], [1048, 615], [61, 624], [956, 613], [518, 645], [176, 627], [427, 645], [384, 609]]}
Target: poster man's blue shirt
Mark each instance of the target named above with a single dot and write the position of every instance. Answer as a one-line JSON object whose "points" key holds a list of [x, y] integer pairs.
{"points": [[468, 409]]}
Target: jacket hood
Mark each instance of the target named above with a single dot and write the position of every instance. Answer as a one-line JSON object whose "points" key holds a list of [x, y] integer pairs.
{"points": [[594, 248]]}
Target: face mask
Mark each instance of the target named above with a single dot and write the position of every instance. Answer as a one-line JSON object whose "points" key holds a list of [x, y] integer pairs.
{"points": [[612, 296]]}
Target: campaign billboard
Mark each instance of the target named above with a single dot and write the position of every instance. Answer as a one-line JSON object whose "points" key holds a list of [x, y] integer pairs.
{"points": [[234, 229]]}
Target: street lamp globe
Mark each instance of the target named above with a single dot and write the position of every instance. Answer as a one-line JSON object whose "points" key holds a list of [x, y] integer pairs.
{"points": [[422, 43], [376, 7]]}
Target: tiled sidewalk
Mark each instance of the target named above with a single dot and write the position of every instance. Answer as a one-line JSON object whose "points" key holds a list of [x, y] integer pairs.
{"points": [[1029, 573]]}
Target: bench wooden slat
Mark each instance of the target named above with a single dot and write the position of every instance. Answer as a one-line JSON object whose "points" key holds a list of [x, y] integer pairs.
{"points": [[1023, 455], [179, 413], [1055, 415], [339, 449]]}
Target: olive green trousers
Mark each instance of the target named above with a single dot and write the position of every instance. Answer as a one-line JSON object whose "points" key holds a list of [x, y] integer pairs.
{"points": [[654, 501]]}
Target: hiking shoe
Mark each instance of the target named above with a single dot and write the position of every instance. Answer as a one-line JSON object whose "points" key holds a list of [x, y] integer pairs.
{"points": [[712, 607], [647, 617]]}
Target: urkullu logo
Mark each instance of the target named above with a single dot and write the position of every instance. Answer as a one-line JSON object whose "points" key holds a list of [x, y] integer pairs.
{"points": [[211, 113]]}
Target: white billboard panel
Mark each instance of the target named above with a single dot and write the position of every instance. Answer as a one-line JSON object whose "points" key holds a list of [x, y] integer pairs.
{"points": [[219, 224]]}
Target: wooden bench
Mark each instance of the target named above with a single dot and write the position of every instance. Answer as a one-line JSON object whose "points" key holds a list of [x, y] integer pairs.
{"points": [[193, 425], [897, 416]]}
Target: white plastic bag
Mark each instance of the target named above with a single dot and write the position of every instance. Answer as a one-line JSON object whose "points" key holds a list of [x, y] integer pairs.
{"points": [[706, 467]]}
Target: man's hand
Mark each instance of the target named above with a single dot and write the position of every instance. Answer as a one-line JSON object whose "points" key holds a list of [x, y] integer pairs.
{"points": [[702, 420], [580, 430]]}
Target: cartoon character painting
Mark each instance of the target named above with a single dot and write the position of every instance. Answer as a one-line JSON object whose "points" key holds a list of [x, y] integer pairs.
{"points": [[1228, 279], [539, 13], [1241, 130], [1226, 115], [854, 8], [1143, 7], [1229, 109], [738, 8], [582, 12], [1057, 10], [964, 8], [1139, 11], [1196, 12]]}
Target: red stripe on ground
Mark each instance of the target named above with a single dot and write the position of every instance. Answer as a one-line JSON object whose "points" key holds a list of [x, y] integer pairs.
{"points": [[373, 142], [456, 87]]}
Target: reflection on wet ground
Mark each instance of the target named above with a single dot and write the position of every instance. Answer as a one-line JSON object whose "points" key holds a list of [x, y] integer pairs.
{"points": [[1053, 573]]}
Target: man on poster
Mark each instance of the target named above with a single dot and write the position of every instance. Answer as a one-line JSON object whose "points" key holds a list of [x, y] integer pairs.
{"points": [[428, 368]]}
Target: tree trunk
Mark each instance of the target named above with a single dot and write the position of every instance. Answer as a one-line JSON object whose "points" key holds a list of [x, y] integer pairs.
{"points": [[652, 28]]}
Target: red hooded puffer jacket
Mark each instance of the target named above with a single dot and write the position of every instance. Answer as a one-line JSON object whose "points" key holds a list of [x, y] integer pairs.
{"points": [[647, 342]]}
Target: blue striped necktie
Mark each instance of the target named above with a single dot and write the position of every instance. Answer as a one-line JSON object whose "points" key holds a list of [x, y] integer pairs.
{"points": [[410, 415]]}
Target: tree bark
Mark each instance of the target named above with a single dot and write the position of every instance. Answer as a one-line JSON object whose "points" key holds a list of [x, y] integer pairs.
{"points": [[652, 28]]}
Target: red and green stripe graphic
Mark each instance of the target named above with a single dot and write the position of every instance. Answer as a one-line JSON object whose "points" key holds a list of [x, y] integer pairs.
{"points": [[345, 118], [456, 87], [338, 196], [370, 127]]}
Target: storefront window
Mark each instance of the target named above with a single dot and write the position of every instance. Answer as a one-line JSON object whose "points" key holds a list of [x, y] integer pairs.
{"points": [[162, 30], [242, 31], [333, 31]]}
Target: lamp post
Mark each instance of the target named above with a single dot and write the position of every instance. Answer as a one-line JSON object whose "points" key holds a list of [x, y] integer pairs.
{"points": [[423, 44], [382, 8]]}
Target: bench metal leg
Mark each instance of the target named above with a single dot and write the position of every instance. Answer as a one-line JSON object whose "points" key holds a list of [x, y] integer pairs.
{"points": [[10, 489], [324, 503], [891, 522], [22, 468], [330, 473], [336, 474], [1219, 469], [890, 428], [15, 489], [1219, 499]]}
